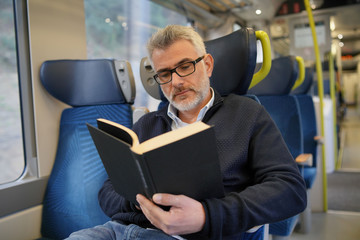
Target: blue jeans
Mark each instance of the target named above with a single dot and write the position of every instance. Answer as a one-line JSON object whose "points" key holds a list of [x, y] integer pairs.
{"points": [[115, 230]]}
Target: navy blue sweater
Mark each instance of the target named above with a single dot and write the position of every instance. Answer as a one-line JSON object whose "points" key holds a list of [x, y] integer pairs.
{"points": [[261, 179]]}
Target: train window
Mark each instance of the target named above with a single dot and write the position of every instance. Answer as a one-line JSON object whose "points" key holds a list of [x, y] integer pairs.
{"points": [[120, 29], [236, 26], [11, 139]]}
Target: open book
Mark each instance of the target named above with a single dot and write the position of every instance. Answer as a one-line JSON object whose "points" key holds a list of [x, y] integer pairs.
{"points": [[183, 161]]}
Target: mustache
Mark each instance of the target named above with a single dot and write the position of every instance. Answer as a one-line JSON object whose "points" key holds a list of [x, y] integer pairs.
{"points": [[177, 90]]}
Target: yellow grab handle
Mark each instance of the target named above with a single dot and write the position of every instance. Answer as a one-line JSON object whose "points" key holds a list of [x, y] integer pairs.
{"points": [[266, 65], [301, 76], [321, 97]]}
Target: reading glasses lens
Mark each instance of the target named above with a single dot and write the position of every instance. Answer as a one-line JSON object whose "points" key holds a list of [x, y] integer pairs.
{"points": [[182, 70]]}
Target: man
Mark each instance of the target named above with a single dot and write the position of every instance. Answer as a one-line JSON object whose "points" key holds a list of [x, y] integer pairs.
{"points": [[261, 180]]}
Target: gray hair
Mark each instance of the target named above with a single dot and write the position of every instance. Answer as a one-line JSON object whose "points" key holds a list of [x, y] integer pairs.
{"points": [[165, 37]]}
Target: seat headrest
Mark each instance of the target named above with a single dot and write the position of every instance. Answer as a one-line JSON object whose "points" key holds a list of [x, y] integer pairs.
{"points": [[304, 88], [325, 65], [234, 64], [234, 61], [89, 82], [281, 78]]}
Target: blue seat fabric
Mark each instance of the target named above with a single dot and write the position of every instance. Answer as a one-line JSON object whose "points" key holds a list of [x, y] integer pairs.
{"points": [[258, 235], [273, 93], [285, 227], [82, 82], [280, 80], [284, 110], [234, 61], [70, 203], [308, 120]]}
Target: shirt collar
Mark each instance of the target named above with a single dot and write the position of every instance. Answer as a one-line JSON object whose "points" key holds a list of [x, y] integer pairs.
{"points": [[176, 121]]}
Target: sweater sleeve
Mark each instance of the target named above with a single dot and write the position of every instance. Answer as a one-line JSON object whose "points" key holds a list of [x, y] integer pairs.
{"points": [[111, 202], [277, 190]]}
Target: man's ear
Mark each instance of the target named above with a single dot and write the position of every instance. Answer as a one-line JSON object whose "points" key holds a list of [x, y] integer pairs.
{"points": [[209, 64]]}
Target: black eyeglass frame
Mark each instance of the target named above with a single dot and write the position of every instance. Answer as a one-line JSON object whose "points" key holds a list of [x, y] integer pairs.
{"points": [[156, 76]]}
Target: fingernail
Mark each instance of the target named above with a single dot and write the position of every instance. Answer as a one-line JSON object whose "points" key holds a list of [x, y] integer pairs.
{"points": [[157, 198]]}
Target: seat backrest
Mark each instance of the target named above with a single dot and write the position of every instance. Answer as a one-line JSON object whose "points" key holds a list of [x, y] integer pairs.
{"points": [[273, 93], [308, 116], [305, 87], [281, 78], [234, 61], [285, 111], [95, 89]]}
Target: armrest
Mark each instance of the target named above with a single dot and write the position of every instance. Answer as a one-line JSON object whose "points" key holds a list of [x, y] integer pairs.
{"points": [[254, 229], [304, 159], [319, 139]]}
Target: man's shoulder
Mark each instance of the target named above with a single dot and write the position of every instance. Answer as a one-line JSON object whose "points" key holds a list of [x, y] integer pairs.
{"points": [[151, 120], [242, 102], [243, 107], [148, 117]]}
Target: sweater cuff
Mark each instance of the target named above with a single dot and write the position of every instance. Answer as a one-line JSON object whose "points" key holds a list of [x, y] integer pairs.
{"points": [[134, 208], [204, 233], [206, 229]]}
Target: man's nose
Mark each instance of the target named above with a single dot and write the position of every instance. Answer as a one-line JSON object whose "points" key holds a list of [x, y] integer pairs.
{"points": [[176, 79]]}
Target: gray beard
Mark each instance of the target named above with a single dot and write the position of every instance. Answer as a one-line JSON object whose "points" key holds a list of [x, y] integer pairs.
{"points": [[189, 105]]}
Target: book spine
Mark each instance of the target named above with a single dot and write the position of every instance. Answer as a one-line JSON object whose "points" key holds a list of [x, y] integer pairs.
{"points": [[149, 188]]}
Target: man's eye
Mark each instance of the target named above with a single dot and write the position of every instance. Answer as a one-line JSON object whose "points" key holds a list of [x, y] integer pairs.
{"points": [[164, 74], [185, 66]]}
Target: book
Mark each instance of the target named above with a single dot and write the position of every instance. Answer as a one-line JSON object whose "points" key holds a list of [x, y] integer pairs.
{"points": [[182, 161]]}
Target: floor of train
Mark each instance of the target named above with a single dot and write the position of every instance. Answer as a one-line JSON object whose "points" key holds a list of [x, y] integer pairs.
{"points": [[339, 224]]}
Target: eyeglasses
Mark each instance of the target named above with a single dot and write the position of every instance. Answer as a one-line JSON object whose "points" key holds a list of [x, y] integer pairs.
{"points": [[183, 70]]}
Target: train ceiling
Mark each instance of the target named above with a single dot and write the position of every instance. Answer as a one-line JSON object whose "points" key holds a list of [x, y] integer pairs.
{"points": [[214, 13]]}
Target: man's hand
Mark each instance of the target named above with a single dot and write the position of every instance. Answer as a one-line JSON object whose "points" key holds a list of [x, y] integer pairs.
{"points": [[185, 216]]}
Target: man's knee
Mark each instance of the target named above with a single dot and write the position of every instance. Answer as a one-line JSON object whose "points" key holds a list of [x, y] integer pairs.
{"points": [[100, 232]]}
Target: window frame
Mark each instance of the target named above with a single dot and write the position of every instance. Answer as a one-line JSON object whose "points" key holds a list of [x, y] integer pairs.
{"points": [[28, 190]]}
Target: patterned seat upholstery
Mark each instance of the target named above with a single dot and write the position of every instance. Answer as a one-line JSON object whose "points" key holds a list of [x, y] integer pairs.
{"points": [[93, 89]]}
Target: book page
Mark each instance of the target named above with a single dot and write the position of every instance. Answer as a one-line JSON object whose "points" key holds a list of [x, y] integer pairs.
{"points": [[131, 133], [170, 137]]}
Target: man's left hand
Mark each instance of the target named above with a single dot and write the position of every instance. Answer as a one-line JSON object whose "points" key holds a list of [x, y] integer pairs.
{"points": [[185, 216]]}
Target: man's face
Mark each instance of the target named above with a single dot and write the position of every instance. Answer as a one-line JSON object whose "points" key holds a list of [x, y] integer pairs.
{"points": [[190, 92]]}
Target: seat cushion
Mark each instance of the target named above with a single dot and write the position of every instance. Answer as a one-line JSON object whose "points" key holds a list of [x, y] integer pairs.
{"points": [[283, 228], [309, 174]]}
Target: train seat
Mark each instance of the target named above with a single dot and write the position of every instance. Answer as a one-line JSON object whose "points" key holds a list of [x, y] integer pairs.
{"points": [[308, 119], [93, 88], [273, 93], [236, 49]]}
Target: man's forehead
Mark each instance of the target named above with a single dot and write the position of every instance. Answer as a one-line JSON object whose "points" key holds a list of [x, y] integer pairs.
{"points": [[173, 55]]}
